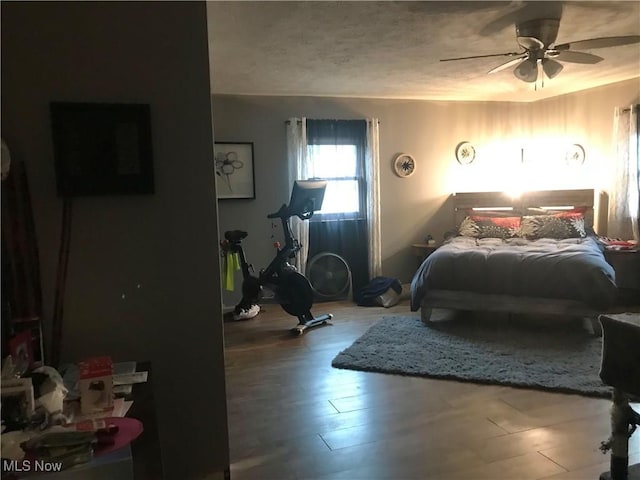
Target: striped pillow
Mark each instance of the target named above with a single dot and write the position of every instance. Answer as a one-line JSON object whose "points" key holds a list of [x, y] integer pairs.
{"points": [[489, 227]]}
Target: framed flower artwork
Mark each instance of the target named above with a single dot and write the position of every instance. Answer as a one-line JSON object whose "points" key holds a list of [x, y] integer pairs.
{"points": [[233, 164]]}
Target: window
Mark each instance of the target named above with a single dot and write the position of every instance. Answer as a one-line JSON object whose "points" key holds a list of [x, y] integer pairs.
{"points": [[335, 151], [338, 165]]}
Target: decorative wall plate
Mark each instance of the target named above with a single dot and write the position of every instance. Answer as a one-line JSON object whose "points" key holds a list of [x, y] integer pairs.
{"points": [[465, 153], [404, 165], [575, 155]]}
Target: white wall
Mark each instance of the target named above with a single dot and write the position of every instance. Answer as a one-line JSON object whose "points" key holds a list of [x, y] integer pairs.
{"points": [[143, 270], [587, 117], [416, 206]]}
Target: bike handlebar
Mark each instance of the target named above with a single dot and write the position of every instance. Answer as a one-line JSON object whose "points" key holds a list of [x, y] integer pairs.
{"points": [[284, 213], [280, 213]]}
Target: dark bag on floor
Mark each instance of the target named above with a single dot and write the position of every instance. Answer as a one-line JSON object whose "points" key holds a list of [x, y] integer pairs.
{"points": [[367, 295]]}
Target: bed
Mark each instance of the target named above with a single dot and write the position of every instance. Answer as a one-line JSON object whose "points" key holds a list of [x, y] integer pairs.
{"points": [[533, 254]]}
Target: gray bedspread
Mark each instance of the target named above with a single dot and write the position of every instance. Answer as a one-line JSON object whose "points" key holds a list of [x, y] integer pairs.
{"points": [[571, 269]]}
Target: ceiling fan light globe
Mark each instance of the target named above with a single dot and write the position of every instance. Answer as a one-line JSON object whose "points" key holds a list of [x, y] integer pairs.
{"points": [[551, 67], [527, 71]]}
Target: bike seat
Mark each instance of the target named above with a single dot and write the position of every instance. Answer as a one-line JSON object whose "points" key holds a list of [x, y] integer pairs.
{"points": [[235, 235]]}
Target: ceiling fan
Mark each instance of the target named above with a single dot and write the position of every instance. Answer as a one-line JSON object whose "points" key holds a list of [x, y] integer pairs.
{"points": [[540, 56]]}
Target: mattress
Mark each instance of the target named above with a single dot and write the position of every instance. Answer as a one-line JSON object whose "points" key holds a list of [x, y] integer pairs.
{"points": [[567, 269]]}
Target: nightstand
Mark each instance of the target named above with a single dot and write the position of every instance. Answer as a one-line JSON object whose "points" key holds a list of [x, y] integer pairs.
{"points": [[626, 263], [423, 250]]}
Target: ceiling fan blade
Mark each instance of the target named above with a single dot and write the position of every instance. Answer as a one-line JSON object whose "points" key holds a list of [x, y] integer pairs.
{"points": [[578, 57], [504, 66], [600, 42], [508, 54], [527, 71], [530, 43], [551, 68]]}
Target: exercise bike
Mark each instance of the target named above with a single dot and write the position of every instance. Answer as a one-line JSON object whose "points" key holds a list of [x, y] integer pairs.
{"points": [[289, 288]]}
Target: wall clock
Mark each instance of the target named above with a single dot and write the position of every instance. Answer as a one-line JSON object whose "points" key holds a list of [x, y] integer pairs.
{"points": [[465, 153], [575, 155], [404, 165]]}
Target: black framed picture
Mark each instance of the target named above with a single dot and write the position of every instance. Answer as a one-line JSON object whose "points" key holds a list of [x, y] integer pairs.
{"points": [[102, 148], [233, 165]]}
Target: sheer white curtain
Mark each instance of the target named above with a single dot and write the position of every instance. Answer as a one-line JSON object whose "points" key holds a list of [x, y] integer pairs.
{"points": [[623, 192], [372, 172], [298, 165]]}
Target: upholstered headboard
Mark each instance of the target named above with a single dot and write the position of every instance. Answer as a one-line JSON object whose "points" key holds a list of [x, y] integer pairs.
{"points": [[465, 201]]}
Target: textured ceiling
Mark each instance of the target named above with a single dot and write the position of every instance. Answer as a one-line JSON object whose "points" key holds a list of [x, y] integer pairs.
{"points": [[392, 49]]}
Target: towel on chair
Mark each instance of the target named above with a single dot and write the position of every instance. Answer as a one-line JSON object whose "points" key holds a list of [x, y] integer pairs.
{"points": [[231, 264]]}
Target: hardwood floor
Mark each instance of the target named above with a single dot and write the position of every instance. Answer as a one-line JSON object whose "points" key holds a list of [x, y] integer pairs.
{"points": [[293, 416]]}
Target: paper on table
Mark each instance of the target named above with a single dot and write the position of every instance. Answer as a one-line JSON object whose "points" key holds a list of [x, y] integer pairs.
{"points": [[120, 409], [127, 378], [124, 367], [122, 389]]}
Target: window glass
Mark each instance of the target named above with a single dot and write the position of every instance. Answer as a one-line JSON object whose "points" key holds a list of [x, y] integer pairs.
{"points": [[341, 196], [338, 165], [329, 161]]}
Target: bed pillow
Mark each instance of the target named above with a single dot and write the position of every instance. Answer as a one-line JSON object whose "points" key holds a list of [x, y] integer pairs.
{"points": [[569, 224], [489, 227]]}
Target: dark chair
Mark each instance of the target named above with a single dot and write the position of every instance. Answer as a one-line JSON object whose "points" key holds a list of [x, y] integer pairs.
{"points": [[620, 368]]}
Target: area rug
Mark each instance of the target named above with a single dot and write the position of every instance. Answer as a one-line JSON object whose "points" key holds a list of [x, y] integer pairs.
{"points": [[556, 356]]}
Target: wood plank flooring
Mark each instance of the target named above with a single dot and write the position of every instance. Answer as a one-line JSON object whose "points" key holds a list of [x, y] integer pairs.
{"points": [[293, 416]]}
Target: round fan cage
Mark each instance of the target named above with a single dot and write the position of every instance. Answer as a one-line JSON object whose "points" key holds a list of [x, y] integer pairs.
{"points": [[330, 276]]}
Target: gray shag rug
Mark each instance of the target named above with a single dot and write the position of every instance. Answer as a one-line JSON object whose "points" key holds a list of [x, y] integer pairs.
{"points": [[557, 356]]}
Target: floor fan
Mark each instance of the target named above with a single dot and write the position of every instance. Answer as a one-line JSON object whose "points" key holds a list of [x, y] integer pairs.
{"points": [[330, 276]]}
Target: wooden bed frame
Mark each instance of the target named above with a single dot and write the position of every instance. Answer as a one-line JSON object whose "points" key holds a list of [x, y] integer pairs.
{"points": [[471, 301]]}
